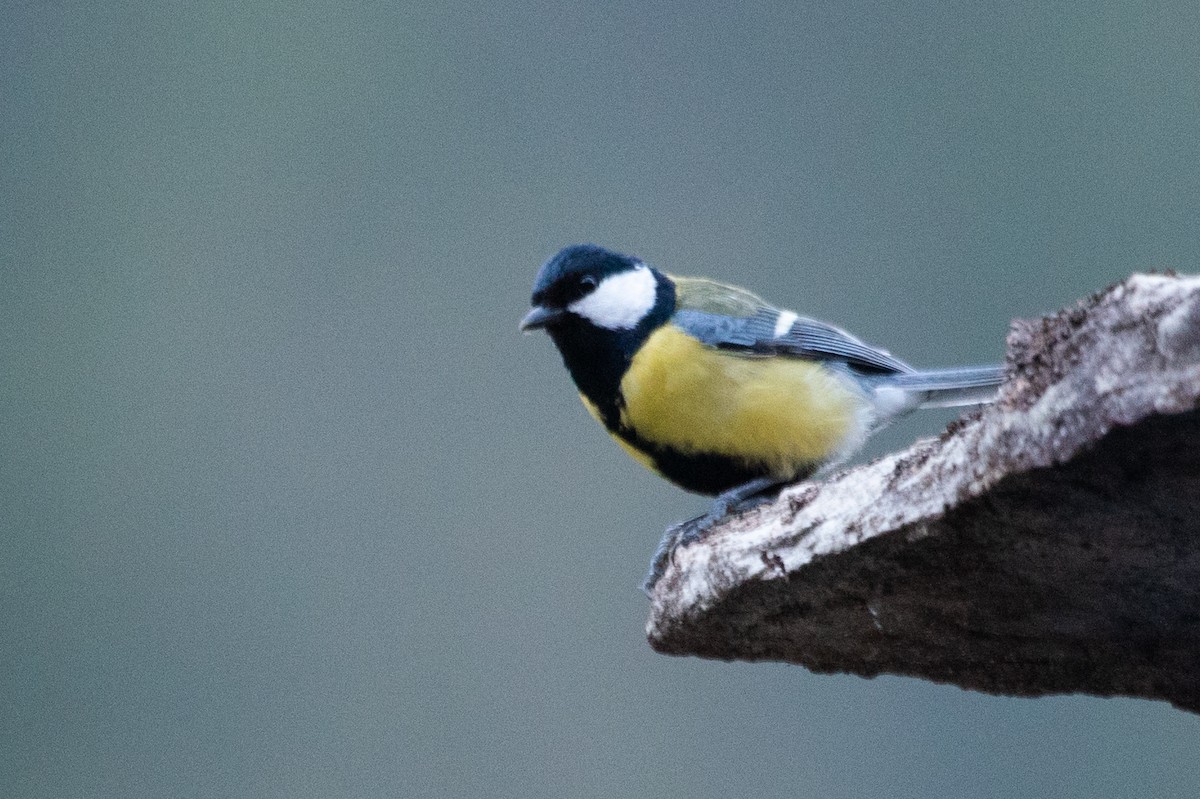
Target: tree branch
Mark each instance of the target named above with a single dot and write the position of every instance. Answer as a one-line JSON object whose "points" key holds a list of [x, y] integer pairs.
{"points": [[1049, 543]]}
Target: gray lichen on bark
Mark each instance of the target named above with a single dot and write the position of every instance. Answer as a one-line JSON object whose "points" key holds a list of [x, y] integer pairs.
{"points": [[1047, 543]]}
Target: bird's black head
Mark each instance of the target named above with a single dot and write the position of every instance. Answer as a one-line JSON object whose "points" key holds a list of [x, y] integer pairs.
{"points": [[589, 285], [598, 306], [566, 290]]}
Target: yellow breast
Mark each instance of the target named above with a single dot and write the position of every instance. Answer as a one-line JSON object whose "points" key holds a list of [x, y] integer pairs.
{"points": [[784, 413]]}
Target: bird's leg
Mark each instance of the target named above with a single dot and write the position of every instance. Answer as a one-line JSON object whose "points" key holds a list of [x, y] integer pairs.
{"points": [[738, 498]]}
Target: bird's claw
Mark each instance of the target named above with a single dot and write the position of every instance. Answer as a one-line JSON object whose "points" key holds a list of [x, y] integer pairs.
{"points": [[741, 498], [676, 536]]}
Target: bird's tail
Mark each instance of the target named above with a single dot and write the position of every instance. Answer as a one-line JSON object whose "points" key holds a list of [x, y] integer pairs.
{"points": [[949, 388]]}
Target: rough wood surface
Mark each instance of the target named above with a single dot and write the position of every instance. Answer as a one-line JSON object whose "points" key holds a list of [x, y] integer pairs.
{"points": [[1049, 543]]}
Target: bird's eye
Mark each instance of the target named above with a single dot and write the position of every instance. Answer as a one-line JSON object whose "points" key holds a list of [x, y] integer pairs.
{"points": [[587, 283]]}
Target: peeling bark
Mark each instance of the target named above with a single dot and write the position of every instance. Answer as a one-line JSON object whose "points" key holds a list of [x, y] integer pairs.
{"points": [[1048, 543]]}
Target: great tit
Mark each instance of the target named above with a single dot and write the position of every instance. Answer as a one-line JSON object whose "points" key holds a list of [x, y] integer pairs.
{"points": [[714, 389]]}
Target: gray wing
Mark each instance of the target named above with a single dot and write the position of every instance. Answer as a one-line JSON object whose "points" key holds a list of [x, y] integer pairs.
{"points": [[773, 332]]}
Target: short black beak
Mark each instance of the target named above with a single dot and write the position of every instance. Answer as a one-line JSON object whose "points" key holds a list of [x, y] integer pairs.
{"points": [[540, 316]]}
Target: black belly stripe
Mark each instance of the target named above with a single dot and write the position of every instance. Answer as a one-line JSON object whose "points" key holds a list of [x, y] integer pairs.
{"points": [[701, 472]]}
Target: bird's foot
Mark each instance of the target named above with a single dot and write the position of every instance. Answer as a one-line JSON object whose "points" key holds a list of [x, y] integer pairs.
{"points": [[681, 534], [677, 535]]}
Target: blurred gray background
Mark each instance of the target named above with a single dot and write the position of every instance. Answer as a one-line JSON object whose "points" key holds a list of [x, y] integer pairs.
{"points": [[289, 509]]}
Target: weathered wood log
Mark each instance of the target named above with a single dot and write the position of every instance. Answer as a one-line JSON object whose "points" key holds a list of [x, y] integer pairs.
{"points": [[1048, 543]]}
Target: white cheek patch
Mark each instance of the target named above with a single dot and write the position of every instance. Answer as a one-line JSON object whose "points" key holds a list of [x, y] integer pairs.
{"points": [[620, 301], [783, 324]]}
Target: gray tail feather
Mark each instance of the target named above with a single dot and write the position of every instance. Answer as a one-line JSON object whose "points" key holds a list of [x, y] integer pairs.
{"points": [[948, 388]]}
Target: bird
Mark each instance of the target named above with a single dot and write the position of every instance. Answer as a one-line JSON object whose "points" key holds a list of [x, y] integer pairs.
{"points": [[718, 391]]}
